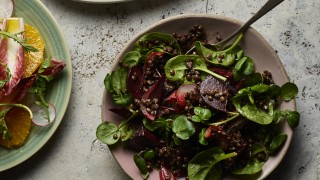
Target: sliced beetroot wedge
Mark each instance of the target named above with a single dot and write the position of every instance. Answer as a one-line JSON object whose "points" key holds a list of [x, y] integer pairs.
{"points": [[123, 112], [166, 174], [215, 93], [171, 98], [154, 92], [134, 82], [182, 91], [143, 138], [228, 73], [154, 54]]}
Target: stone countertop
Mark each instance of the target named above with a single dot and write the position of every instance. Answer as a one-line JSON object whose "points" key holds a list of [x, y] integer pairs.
{"points": [[96, 33]]}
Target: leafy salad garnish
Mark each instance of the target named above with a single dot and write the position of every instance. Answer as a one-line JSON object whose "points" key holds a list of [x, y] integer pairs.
{"points": [[21, 91], [197, 116]]}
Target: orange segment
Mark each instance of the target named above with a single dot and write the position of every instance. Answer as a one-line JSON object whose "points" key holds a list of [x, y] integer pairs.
{"points": [[32, 60], [19, 123]]}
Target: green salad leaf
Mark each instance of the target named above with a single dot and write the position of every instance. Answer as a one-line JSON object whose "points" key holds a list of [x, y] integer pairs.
{"points": [[183, 128], [204, 164], [177, 65]]}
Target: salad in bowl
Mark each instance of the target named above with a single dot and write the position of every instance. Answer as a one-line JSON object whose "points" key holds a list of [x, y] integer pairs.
{"points": [[207, 114], [25, 71]]}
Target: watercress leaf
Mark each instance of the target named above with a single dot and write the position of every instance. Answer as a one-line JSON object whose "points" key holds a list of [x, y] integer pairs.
{"points": [[126, 131], [183, 128], [131, 59], [277, 116], [274, 91], [115, 81], [176, 140], [277, 142], [253, 79], [252, 167], [293, 118], [202, 113], [107, 83], [4, 131], [202, 139], [288, 91], [202, 165], [195, 118], [155, 124], [148, 155], [108, 133], [142, 166], [123, 79], [7, 73], [260, 88], [122, 99]]}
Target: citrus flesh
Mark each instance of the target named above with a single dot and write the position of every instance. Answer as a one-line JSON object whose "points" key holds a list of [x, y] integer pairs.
{"points": [[32, 60], [19, 124]]}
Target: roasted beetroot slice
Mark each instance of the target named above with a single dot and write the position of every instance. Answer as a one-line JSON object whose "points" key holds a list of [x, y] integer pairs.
{"points": [[228, 73], [154, 54], [123, 112], [171, 98], [154, 91], [215, 93], [143, 138], [165, 174], [134, 82], [182, 91]]}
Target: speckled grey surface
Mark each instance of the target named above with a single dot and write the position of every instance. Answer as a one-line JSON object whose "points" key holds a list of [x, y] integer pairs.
{"points": [[96, 33]]}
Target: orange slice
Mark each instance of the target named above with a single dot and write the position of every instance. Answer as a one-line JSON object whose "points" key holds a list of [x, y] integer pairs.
{"points": [[19, 123], [32, 60]]}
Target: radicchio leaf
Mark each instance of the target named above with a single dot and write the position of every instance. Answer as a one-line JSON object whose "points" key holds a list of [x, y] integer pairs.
{"points": [[11, 54]]}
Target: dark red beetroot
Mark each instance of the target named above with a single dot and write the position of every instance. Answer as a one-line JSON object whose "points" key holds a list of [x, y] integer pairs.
{"points": [[215, 93], [123, 112], [182, 91], [143, 138], [134, 82], [228, 73], [154, 92], [165, 174]]}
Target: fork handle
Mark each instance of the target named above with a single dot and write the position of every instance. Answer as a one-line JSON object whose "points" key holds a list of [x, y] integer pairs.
{"points": [[269, 5]]}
